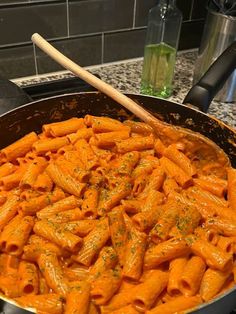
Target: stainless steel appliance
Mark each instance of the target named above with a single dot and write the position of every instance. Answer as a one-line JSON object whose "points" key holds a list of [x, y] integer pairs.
{"points": [[219, 33]]}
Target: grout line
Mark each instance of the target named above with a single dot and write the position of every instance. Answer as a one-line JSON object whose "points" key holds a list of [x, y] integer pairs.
{"points": [[102, 47], [35, 60], [24, 3], [191, 10], [195, 20], [134, 13], [15, 45], [68, 18], [90, 67]]}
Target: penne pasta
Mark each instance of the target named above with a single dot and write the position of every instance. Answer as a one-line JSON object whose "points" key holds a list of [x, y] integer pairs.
{"points": [[174, 171], [104, 124], [93, 243], [180, 159], [149, 290], [34, 204], [43, 146], [19, 148], [80, 227], [178, 304], [101, 216], [105, 286], [8, 210], [231, 188], [129, 309], [134, 254], [109, 139], [151, 210], [110, 198], [84, 133], [28, 278], [177, 267], [67, 203], [76, 273], [6, 169], [212, 282], [35, 168], [213, 256], [19, 235], [58, 235], [165, 251], [90, 202], [65, 181], [132, 144], [166, 221], [43, 183], [191, 277], [63, 127], [78, 298], [139, 127], [86, 154], [66, 216], [106, 260], [52, 271], [118, 232]]}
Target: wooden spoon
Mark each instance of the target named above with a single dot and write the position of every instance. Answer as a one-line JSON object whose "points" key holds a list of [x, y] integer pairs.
{"points": [[203, 147]]}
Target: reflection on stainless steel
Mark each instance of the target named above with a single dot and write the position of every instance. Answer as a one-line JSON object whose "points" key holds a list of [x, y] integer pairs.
{"points": [[9, 306], [219, 33]]}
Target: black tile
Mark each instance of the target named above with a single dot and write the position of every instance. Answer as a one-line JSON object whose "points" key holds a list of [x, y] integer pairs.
{"points": [[83, 50], [124, 45], [185, 7], [13, 2], [191, 33], [43, 1], [142, 9], [18, 23], [100, 15], [199, 9], [24, 2], [17, 61]]}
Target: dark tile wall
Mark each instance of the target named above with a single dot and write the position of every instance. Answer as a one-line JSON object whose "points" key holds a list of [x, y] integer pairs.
{"points": [[88, 31]]}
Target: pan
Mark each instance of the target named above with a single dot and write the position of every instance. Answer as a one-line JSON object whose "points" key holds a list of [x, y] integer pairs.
{"points": [[31, 116]]}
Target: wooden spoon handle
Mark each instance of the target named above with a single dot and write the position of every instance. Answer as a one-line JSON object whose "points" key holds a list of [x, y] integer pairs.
{"points": [[93, 80]]}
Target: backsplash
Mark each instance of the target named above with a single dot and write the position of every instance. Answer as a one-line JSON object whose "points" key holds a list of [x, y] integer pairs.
{"points": [[88, 31]]}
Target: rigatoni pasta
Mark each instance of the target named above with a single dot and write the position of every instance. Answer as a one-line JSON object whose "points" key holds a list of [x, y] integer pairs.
{"points": [[100, 216]]}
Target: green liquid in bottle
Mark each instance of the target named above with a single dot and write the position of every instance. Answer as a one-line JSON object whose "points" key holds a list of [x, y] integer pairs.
{"points": [[158, 70]]}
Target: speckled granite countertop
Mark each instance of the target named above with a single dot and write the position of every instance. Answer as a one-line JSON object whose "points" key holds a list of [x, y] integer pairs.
{"points": [[126, 77]]}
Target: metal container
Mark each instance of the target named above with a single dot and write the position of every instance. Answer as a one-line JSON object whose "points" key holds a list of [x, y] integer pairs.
{"points": [[219, 33]]}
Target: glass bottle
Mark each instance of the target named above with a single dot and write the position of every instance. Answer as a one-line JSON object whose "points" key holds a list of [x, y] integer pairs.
{"points": [[164, 24]]}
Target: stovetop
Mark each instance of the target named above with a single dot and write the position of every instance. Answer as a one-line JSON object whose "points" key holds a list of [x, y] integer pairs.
{"points": [[58, 87]]}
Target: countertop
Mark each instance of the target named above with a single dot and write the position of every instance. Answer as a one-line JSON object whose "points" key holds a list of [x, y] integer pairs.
{"points": [[125, 75]]}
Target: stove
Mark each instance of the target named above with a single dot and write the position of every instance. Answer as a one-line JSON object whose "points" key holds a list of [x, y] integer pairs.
{"points": [[57, 87], [12, 96]]}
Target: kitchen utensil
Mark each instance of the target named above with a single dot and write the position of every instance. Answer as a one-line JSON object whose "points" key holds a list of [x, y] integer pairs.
{"points": [[166, 132], [219, 33], [226, 7]]}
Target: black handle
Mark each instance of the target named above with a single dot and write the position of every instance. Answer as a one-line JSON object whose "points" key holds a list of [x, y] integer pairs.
{"points": [[202, 93], [11, 96]]}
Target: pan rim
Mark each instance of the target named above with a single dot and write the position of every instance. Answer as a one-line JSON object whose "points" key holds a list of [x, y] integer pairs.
{"points": [[191, 107]]}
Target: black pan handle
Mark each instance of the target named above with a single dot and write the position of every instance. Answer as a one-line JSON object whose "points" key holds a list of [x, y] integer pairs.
{"points": [[11, 96], [202, 93]]}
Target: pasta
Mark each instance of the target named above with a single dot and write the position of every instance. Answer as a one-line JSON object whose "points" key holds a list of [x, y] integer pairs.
{"points": [[100, 216]]}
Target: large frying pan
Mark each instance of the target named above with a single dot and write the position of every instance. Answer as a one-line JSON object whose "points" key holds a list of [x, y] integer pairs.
{"points": [[30, 117]]}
